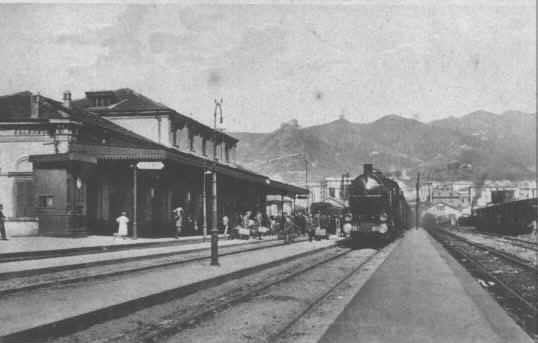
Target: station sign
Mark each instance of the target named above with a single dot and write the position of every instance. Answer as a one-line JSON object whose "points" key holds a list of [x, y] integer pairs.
{"points": [[150, 165]]}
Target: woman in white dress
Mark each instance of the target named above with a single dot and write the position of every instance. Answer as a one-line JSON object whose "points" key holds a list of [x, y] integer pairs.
{"points": [[123, 222]]}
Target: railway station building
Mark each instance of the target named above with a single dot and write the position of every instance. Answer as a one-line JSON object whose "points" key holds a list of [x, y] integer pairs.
{"points": [[70, 168]]}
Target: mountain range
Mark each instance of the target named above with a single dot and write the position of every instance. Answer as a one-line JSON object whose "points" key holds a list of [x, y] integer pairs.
{"points": [[478, 145]]}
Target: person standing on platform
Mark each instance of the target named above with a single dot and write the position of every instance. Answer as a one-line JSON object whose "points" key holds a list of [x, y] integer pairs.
{"points": [[226, 226], [324, 221], [178, 216], [289, 228], [123, 222], [260, 227], [314, 227], [2, 223]]}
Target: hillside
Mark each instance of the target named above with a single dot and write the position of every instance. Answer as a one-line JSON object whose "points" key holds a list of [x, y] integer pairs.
{"points": [[511, 132], [501, 146]]}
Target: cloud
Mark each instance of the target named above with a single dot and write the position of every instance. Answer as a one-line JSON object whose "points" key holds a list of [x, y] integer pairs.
{"points": [[278, 59], [400, 48], [160, 42]]}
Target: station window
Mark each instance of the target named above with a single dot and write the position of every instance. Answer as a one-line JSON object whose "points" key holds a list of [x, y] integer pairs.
{"points": [[332, 192], [24, 197], [191, 141], [175, 137], [204, 146], [46, 201], [227, 152]]}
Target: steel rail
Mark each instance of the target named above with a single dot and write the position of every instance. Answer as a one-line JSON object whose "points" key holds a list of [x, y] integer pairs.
{"points": [[134, 269], [532, 245], [157, 336], [512, 258], [42, 254], [484, 270], [318, 300], [74, 324], [522, 243]]}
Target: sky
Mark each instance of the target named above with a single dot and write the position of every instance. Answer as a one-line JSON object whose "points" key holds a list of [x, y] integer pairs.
{"points": [[273, 63]]}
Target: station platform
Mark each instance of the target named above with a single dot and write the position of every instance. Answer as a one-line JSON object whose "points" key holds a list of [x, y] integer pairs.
{"points": [[41, 310], [421, 294]]}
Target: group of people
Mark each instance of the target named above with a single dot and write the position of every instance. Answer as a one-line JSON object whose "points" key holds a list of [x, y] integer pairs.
{"points": [[249, 225], [256, 224]]}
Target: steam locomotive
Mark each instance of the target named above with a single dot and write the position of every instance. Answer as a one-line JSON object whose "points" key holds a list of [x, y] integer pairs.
{"points": [[378, 208]]}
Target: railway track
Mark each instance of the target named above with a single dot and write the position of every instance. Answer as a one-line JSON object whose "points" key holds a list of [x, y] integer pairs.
{"points": [[66, 324], [278, 283], [522, 243], [513, 258], [42, 254], [185, 311], [281, 334], [34, 279], [511, 280]]}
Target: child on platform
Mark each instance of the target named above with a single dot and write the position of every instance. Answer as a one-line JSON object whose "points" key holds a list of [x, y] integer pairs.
{"points": [[123, 222]]}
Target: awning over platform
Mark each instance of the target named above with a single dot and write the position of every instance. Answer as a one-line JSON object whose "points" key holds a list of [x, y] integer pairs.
{"points": [[91, 153]]}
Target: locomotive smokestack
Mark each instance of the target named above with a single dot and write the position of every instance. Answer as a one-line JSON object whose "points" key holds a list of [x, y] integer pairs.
{"points": [[368, 168]]}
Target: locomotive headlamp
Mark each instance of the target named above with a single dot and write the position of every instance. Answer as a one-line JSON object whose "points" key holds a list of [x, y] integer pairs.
{"points": [[383, 228], [383, 217]]}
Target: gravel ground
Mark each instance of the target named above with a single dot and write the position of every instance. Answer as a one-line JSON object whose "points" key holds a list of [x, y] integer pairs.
{"points": [[497, 243], [262, 316], [156, 323]]}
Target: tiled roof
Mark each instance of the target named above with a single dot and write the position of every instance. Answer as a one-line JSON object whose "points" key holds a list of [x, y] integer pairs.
{"points": [[128, 102], [16, 108]]}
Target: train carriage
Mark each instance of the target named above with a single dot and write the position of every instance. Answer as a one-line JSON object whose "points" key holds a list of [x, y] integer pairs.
{"points": [[508, 218]]}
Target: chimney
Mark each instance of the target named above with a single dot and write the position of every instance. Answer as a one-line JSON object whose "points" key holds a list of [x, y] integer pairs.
{"points": [[34, 106], [368, 168], [67, 99]]}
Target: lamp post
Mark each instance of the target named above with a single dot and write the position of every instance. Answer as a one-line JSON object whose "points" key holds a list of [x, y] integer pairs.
{"points": [[214, 226], [204, 203], [214, 222], [135, 214]]}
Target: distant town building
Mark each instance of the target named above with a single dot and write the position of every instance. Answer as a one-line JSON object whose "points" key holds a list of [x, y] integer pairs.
{"points": [[333, 189], [462, 195]]}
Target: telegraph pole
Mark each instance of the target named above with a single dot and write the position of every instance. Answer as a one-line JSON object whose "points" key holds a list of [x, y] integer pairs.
{"points": [[306, 183], [417, 205]]}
